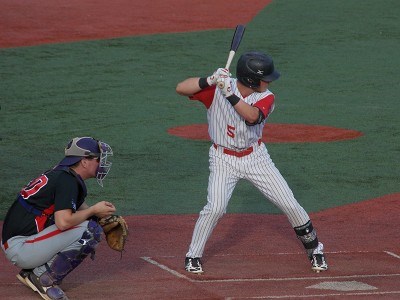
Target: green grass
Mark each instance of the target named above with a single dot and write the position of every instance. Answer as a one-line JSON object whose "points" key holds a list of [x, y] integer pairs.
{"points": [[339, 63]]}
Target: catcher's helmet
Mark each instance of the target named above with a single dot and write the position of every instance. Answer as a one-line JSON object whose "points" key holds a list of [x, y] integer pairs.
{"points": [[88, 147], [252, 67]]}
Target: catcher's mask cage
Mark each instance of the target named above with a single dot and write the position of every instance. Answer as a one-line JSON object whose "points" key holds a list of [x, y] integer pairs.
{"points": [[88, 147], [104, 164], [254, 67]]}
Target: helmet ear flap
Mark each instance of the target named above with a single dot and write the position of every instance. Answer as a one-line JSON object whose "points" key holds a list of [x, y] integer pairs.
{"points": [[250, 82]]}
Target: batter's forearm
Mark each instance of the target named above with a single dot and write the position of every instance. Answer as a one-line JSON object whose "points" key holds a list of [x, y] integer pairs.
{"points": [[247, 112], [188, 87]]}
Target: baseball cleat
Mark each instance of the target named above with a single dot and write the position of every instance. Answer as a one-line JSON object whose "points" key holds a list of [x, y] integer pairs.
{"points": [[21, 276], [193, 265], [318, 263], [47, 292]]}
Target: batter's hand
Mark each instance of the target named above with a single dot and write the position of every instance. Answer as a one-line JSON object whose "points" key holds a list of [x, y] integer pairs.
{"points": [[224, 84], [212, 80]]}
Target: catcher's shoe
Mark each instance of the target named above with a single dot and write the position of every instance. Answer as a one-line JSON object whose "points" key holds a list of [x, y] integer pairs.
{"points": [[193, 265], [23, 274], [52, 292]]}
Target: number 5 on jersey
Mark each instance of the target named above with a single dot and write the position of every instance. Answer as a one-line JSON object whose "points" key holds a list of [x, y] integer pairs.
{"points": [[230, 131]]}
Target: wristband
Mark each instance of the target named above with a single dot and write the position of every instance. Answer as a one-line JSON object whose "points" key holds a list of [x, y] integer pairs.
{"points": [[233, 99], [203, 83]]}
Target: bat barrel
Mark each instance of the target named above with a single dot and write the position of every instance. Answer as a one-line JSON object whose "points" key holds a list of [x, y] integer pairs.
{"points": [[236, 39]]}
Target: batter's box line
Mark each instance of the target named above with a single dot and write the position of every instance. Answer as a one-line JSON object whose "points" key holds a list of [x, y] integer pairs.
{"points": [[392, 254], [179, 275], [165, 268]]}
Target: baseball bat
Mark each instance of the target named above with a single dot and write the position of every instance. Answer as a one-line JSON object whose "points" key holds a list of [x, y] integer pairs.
{"points": [[236, 39]]}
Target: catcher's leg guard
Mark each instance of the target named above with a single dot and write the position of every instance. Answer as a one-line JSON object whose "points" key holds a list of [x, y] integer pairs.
{"points": [[308, 236], [66, 261]]}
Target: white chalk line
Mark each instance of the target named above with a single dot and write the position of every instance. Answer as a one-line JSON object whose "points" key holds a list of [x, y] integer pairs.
{"points": [[392, 254], [165, 268]]}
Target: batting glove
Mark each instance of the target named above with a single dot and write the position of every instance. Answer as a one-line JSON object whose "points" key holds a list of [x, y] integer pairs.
{"points": [[224, 84], [212, 80]]}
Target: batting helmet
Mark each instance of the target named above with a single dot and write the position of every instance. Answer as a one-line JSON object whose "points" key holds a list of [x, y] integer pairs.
{"points": [[253, 67]]}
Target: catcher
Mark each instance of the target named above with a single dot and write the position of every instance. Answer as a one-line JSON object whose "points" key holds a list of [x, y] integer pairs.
{"points": [[49, 229]]}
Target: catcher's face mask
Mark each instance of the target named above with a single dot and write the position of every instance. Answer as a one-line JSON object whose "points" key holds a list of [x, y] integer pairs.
{"points": [[89, 147], [104, 164]]}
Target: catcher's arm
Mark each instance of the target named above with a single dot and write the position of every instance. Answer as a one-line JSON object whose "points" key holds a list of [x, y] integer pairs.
{"points": [[66, 218], [83, 206], [101, 209]]}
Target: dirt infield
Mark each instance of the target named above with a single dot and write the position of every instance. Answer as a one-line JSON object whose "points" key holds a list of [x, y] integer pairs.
{"points": [[27, 23], [248, 257], [277, 133]]}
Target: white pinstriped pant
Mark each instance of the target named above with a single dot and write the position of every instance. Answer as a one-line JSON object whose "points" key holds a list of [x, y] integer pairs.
{"points": [[225, 172]]}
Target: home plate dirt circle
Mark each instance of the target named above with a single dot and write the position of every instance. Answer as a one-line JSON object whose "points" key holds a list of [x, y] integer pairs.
{"points": [[277, 133]]}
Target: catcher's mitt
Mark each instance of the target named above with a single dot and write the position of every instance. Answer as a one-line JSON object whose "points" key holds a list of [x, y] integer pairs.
{"points": [[116, 231]]}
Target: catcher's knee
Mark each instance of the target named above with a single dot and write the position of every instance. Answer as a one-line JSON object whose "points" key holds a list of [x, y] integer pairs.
{"points": [[94, 230], [90, 238], [65, 261]]}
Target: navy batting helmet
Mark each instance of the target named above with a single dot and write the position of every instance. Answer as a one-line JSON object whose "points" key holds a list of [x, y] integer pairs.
{"points": [[253, 67]]}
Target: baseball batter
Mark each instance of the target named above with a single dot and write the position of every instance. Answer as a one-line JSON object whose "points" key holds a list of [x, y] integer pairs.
{"points": [[237, 110], [49, 229]]}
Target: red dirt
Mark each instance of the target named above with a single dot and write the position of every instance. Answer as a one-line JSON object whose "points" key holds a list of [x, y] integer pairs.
{"points": [[27, 23], [248, 255], [277, 133]]}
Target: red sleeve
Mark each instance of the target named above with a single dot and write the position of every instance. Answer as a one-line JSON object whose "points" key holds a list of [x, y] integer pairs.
{"points": [[205, 96], [266, 104]]}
